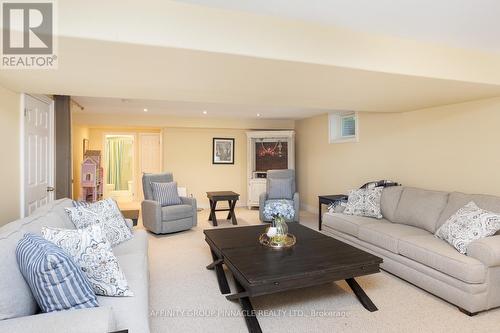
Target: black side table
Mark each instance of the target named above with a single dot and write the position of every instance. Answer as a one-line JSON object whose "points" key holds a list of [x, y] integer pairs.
{"points": [[231, 198], [328, 200]]}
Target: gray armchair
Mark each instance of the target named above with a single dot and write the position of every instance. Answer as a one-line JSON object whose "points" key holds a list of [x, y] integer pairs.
{"points": [[164, 220], [280, 190]]}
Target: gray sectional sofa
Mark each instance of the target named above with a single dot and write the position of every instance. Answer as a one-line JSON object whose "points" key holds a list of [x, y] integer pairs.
{"points": [[405, 239], [18, 309]]}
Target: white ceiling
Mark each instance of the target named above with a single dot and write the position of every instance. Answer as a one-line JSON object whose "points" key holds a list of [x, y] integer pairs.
{"points": [[179, 58], [472, 24], [120, 106]]}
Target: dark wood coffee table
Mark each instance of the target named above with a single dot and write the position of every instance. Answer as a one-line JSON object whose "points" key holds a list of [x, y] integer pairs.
{"points": [[258, 270], [231, 198]]}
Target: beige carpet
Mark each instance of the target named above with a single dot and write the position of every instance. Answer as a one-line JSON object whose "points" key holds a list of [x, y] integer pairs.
{"points": [[184, 297]]}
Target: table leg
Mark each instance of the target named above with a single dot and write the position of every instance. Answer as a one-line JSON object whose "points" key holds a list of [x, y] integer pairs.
{"points": [[361, 295], [219, 271], [319, 217], [213, 205], [231, 212], [210, 215], [248, 312]]}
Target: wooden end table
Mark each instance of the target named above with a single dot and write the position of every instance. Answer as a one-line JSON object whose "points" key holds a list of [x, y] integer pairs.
{"points": [[231, 198], [328, 200], [132, 214]]}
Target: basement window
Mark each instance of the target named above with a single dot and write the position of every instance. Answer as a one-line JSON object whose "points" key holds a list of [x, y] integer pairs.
{"points": [[343, 127]]}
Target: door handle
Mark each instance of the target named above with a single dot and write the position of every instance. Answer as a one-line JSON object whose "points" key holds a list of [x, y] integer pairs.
{"points": [[50, 189]]}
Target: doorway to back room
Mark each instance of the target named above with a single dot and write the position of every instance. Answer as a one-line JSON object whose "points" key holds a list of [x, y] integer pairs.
{"points": [[119, 167]]}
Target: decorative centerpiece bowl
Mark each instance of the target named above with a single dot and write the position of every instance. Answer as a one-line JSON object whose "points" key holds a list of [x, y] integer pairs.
{"points": [[276, 235]]}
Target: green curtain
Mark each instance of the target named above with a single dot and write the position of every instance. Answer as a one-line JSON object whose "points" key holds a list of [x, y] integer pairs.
{"points": [[119, 151]]}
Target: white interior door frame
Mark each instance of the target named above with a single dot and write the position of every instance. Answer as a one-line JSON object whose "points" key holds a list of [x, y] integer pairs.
{"points": [[22, 148]]}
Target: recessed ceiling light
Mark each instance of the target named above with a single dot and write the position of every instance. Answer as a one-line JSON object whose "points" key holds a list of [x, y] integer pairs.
{"points": [[145, 110], [205, 112], [258, 114]]}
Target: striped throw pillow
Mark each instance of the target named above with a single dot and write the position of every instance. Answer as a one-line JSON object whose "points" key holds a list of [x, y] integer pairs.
{"points": [[166, 194], [280, 188], [81, 204], [56, 282]]}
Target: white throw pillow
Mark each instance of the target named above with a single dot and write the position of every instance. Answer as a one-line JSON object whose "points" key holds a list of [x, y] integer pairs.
{"points": [[105, 212], [468, 224], [364, 202], [91, 250]]}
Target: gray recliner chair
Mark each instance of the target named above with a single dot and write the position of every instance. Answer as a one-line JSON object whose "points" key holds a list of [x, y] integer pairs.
{"points": [[164, 220], [273, 192]]}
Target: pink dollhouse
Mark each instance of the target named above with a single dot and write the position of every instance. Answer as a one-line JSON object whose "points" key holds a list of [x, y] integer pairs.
{"points": [[92, 177]]}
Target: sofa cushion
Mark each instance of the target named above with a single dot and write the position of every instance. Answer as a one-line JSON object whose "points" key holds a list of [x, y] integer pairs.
{"points": [[170, 213], [420, 208], [436, 253], [16, 299], [58, 217], [138, 244], [389, 201], [132, 313], [348, 224], [386, 234], [75, 321], [457, 200], [57, 283]]}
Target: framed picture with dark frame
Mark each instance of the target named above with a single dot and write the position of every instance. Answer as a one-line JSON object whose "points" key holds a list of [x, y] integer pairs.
{"points": [[223, 151]]}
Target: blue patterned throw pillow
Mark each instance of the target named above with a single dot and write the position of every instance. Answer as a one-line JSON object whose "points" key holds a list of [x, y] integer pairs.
{"points": [[56, 282], [91, 250], [105, 213], [166, 194]]}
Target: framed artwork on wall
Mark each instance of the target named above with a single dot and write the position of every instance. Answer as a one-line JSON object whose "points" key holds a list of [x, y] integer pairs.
{"points": [[223, 151]]}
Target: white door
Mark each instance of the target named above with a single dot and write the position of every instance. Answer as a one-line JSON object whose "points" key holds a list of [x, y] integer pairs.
{"points": [[150, 155], [38, 153]]}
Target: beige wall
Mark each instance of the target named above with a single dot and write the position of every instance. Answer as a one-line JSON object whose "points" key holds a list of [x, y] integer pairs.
{"points": [[187, 152], [450, 148], [9, 137]]}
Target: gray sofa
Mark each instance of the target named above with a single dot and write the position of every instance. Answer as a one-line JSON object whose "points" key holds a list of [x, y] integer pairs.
{"points": [[404, 239], [264, 197], [164, 220], [19, 311]]}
